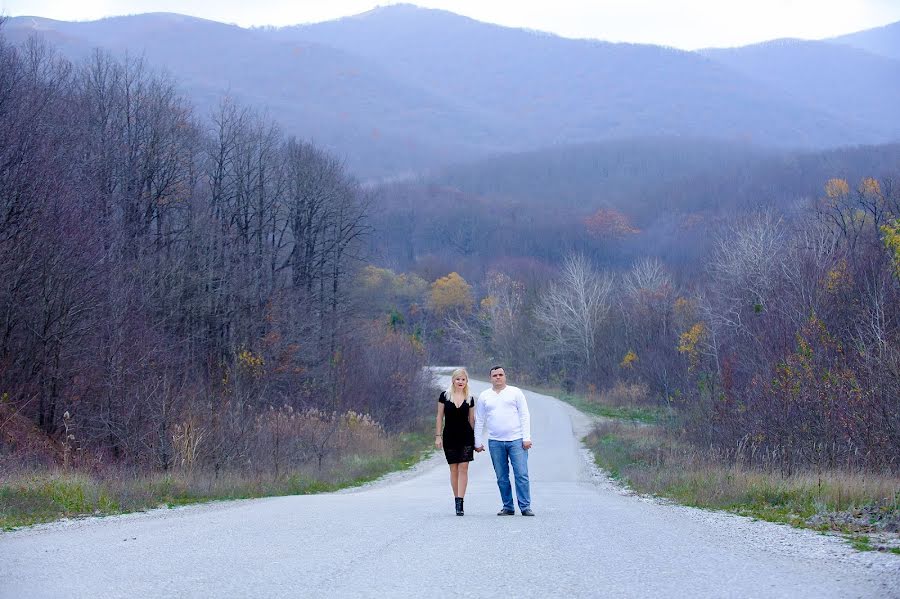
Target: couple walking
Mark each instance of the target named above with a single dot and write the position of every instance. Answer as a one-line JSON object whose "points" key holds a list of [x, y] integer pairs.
{"points": [[503, 412]]}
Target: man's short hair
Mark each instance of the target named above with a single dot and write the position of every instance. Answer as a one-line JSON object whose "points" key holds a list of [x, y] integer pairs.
{"points": [[496, 368]]}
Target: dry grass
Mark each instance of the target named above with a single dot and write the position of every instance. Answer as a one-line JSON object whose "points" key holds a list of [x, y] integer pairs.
{"points": [[45, 495], [622, 401], [621, 394], [651, 460]]}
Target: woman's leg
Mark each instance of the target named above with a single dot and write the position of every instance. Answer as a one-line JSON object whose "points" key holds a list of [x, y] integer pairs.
{"points": [[454, 479], [463, 478]]}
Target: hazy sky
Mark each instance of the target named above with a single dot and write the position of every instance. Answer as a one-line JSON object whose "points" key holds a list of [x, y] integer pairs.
{"points": [[687, 24]]}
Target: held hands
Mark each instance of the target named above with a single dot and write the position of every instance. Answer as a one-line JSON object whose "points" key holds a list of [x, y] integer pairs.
{"points": [[525, 444]]}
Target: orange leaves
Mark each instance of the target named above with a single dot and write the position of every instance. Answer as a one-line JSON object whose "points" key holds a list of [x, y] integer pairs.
{"points": [[608, 222]]}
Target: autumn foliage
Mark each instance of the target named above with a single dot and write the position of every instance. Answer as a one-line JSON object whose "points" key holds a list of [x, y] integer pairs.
{"points": [[609, 223], [451, 294]]}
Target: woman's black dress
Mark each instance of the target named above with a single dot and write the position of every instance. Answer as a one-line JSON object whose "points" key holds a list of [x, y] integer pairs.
{"points": [[458, 437]]}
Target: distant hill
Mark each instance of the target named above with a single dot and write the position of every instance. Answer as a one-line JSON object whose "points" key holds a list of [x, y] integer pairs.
{"points": [[569, 91], [863, 88], [403, 89], [884, 41]]}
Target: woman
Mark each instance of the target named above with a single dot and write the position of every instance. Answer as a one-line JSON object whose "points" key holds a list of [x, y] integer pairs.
{"points": [[456, 412]]}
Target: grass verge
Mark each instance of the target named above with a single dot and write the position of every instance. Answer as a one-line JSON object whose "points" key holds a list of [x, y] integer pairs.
{"points": [[45, 496], [650, 460], [622, 402], [642, 414]]}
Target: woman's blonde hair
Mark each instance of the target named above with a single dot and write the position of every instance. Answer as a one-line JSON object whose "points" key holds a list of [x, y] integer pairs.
{"points": [[458, 372]]}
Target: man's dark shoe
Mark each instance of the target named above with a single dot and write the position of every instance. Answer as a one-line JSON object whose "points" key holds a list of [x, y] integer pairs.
{"points": [[527, 512], [506, 513]]}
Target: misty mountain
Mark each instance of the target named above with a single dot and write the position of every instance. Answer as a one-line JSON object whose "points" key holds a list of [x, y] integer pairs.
{"points": [[568, 91], [861, 87], [402, 89], [884, 41]]}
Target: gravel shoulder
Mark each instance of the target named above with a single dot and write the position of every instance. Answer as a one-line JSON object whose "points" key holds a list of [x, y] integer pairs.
{"points": [[780, 539]]}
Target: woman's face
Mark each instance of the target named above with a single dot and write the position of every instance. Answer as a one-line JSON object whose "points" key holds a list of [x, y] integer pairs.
{"points": [[460, 381]]}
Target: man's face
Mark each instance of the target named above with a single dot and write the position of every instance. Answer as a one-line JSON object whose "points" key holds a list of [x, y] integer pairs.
{"points": [[498, 377]]}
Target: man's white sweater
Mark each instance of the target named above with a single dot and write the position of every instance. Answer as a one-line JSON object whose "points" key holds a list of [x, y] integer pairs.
{"points": [[504, 415]]}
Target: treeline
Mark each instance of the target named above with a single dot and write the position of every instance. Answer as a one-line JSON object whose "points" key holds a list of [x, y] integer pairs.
{"points": [[647, 177], [615, 202], [177, 291]]}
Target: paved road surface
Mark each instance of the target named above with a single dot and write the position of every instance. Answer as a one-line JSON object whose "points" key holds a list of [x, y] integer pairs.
{"points": [[401, 539]]}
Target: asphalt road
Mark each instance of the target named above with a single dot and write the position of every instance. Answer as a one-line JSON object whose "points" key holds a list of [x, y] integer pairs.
{"points": [[401, 538]]}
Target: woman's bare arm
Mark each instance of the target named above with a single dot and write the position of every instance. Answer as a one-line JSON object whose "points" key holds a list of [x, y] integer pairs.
{"points": [[438, 425]]}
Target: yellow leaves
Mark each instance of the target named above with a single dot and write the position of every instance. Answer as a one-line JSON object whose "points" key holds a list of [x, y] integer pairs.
{"points": [[816, 372], [451, 294], [488, 302], [372, 276], [836, 188], [689, 341], [891, 240], [388, 288], [837, 278], [629, 360], [870, 187], [836, 192], [250, 362]]}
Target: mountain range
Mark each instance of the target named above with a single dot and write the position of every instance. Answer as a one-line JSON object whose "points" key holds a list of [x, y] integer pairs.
{"points": [[403, 89]]}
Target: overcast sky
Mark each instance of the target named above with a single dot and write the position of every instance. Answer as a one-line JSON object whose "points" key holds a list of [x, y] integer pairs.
{"points": [[687, 24]]}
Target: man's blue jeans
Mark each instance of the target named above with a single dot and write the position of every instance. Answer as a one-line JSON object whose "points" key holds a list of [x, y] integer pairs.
{"points": [[504, 453]]}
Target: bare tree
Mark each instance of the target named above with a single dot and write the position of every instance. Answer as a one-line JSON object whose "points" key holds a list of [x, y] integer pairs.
{"points": [[573, 310]]}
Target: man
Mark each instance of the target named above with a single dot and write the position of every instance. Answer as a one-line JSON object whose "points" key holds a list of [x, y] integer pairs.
{"points": [[503, 410]]}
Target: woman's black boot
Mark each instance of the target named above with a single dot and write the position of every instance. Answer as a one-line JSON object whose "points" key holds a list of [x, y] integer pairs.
{"points": [[459, 506]]}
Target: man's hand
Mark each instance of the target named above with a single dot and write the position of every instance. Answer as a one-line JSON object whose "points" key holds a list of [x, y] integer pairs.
{"points": [[480, 448], [526, 444], [438, 443]]}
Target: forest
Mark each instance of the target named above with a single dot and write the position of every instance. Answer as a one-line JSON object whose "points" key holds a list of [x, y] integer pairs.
{"points": [[764, 322], [178, 292]]}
